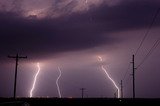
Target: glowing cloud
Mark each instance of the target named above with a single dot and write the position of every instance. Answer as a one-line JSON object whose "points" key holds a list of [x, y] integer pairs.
{"points": [[86, 1], [50, 8]]}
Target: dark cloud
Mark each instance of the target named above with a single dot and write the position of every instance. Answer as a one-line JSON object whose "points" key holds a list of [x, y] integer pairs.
{"points": [[48, 35], [76, 31]]}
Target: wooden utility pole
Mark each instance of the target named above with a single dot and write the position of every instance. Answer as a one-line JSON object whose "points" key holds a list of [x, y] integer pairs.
{"points": [[121, 89], [133, 62], [82, 89], [17, 57]]}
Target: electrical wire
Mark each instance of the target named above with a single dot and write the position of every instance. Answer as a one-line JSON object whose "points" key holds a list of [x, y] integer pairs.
{"points": [[147, 32], [155, 45]]}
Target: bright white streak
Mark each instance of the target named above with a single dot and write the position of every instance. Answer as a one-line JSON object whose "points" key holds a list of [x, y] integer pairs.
{"points": [[59, 92], [35, 79], [100, 59]]}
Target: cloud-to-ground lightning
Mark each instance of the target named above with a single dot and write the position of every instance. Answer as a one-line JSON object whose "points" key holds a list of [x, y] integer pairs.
{"points": [[35, 79], [59, 92], [100, 59]]}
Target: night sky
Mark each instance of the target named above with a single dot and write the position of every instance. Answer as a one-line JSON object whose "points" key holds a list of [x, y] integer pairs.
{"points": [[71, 34]]}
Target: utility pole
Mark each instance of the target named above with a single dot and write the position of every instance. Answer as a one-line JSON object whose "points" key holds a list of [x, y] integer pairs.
{"points": [[17, 57], [121, 89], [133, 62], [82, 89]]}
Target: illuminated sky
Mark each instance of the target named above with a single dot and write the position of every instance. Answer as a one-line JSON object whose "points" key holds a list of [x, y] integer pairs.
{"points": [[70, 34]]}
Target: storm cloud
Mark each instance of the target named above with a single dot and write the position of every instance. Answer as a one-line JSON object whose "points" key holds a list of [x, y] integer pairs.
{"points": [[73, 32]]}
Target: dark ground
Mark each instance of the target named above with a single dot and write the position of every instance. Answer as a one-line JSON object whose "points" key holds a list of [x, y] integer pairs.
{"points": [[77, 102]]}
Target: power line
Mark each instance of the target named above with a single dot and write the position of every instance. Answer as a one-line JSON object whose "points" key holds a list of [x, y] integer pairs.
{"points": [[127, 70], [123, 79], [127, 82], [126, 86], [157, 42], [147, 32]]}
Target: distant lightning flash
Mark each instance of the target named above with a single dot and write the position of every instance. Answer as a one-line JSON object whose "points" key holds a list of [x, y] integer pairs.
{"points": [[100, 59], [59, 92], [35, 79]]}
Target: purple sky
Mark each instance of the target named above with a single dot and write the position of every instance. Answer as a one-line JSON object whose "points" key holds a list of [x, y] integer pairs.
{"points": [[70, 34]]}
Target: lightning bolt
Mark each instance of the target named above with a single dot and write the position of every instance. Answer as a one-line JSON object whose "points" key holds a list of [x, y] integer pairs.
{"points": [[100, 59], [35, 79], [59, 92]]}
